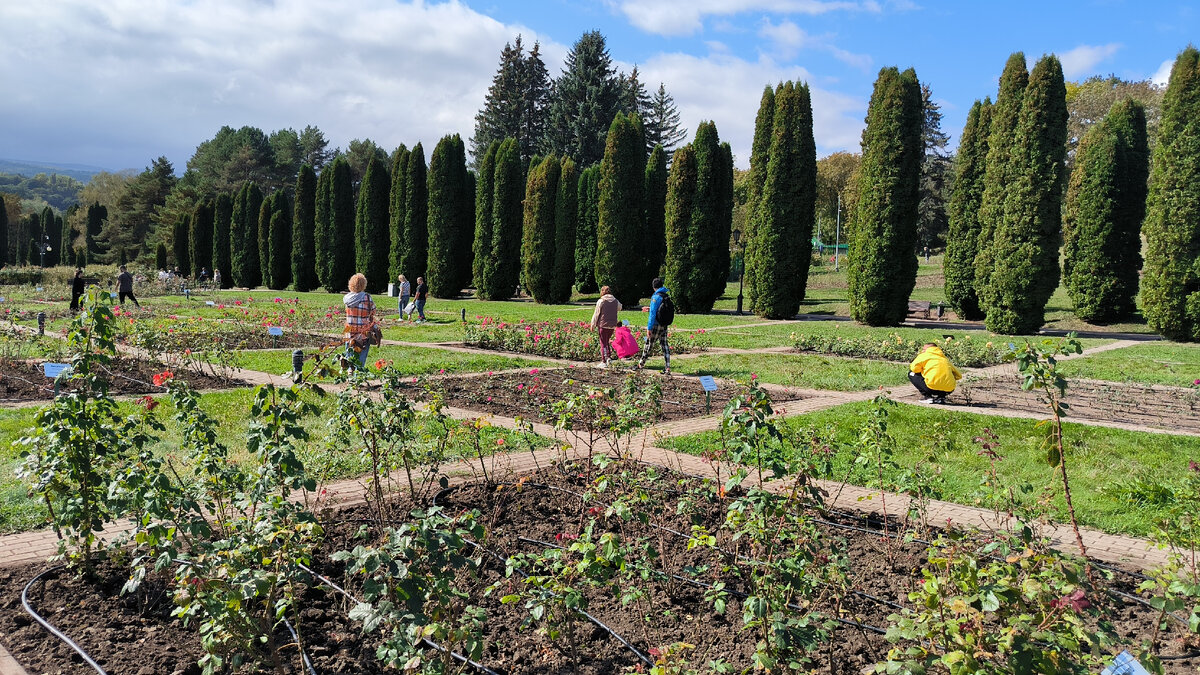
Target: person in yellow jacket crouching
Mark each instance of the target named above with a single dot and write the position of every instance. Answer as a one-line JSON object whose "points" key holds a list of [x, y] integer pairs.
{"points": [[932, 374]]}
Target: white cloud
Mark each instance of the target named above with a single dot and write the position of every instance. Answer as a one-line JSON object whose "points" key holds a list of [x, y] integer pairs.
{"points": [[1081, 60], [684, 17], [1163, 75], [788, 39]]}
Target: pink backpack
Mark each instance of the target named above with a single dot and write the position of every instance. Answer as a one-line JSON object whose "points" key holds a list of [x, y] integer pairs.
{"points": [[623, 342]]}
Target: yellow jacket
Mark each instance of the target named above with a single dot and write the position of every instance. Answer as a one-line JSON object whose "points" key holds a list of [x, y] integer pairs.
{"points": [[940, 374]]}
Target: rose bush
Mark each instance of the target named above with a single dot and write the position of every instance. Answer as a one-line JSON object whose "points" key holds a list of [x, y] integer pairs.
{"points": [[964, 352], [561, 339]]}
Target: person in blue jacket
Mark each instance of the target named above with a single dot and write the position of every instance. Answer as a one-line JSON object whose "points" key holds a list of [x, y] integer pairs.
{"points": [[656, 330]]}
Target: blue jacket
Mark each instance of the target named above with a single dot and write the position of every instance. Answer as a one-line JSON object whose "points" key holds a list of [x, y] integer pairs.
{"points": [[655, 301]]}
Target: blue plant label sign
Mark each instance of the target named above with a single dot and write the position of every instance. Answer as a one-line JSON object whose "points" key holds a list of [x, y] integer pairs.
{"points": [[40, 289], [708, 383], [53, 370], [210, 303], [1, 298], [274, 330], [113, 296], [1125, 664]]}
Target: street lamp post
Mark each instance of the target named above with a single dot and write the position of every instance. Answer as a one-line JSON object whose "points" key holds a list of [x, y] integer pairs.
{"points": [[737, 237], [43, 249]]}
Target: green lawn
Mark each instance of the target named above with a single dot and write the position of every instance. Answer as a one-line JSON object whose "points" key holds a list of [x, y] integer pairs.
{"points": [[1151, 363], [408, 360], [1104, 463], [794, 370]]}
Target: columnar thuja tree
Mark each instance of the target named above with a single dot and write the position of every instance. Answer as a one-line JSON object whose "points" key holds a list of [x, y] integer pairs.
{"points": [[538, 240], [371, 226], [566, 211], [321, 241], [200, 235], [304, 267], [397, 208], [618, 230], [1171, 282], [882, 263], [180, 244], [997, 177], [281, 242], [1026, 240], [341, 260], [222, 220], [415, 252], [962, 241], [654, 235], [1102, 222], [243, 236], [678, 214], [585, 232], [265, 212], [449, 203], [779, 244], [760, 155], [484, 186], [4, 255], [502, 265]]}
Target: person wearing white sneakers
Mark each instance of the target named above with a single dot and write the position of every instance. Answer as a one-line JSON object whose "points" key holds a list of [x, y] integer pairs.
{"points": [[604, 321]]}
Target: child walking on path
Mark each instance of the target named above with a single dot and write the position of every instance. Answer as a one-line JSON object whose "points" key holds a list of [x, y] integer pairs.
{"points": [[932, 374], [604, 321], [656, 326]]}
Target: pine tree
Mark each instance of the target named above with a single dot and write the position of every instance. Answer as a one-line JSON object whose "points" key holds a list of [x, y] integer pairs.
{"points": [[760, 155], [517, 103], [997, 175], [662, 122], [160, 256], [1026, 241], [622, 182], [786, 208], [586, 98], [323, 223], [371, 226], [416, 234], [201, 237], [963, 239], [482, 244], [654, 239], [398, 203], [179, 239], [882, 265], [1171, 279], [538, 241], [566, 212], [448, 202], [502, 270], [304, 266], [222, 220], [585, 231], [678, 214], [341, 225], [281, 243], [1102, 221]]}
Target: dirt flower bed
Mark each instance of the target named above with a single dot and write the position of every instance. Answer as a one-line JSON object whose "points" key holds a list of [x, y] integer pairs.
{"points": [[172, 335], [26, 380]]}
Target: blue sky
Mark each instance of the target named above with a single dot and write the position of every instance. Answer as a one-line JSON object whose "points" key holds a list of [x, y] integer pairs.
{"points": [[116, 83]]}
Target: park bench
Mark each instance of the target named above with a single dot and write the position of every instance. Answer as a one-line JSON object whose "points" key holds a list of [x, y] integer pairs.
{"points": [[91, 281], [920, 307]]}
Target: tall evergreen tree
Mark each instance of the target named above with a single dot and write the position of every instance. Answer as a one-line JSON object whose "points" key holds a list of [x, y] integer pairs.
{"points": [[678, 214], [662, 122], [483, 213], [466, 224], [304, 223], [398, 205], [201, 237], [160, 256], [932, 222], [180, 243], [786, 208], [566, 212], [222, 220], [341, 260], [281, 243], [997, 175], [96, 215], [265, 211], [585, 231], [51, 236], [448, 205], [1026, 241], [698, 280], [517, 103], [586, 97], [1102, 223], [962, 241], [760, 155], [416, 234], [253, 264], [1171, 280], [882, 265], [371, 226], [622, 182], [66, 246], [324, 223], [4, 257], [538, 241], [502, 270], [654, 244], [243, 264]]}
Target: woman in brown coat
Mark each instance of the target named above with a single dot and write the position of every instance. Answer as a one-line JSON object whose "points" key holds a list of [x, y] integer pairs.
{"points": [[604, 320]]}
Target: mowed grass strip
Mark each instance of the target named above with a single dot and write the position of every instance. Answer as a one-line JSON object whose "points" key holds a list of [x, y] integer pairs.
{"points": [[811, 371], [1151, 363], [408, 360], [1108, 468]]}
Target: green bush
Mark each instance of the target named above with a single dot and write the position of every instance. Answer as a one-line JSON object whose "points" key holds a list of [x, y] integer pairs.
{"points": [[619, 227], [962, 240], [538, 240], [964, 352]]}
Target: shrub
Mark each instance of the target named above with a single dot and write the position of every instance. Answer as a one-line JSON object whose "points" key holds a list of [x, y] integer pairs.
{"points": [[965, 352], [561, 339]]}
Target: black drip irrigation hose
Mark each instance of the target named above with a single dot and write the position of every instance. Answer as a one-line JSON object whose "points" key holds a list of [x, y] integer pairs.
{"points": [[303, 656], [50, 627]]}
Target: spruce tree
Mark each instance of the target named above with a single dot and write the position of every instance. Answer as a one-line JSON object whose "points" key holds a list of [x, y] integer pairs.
{"points": [[538, 241], [786, 208], [678, 215], [585, 231], [997, 175], [398, 204], [622, 182], [1026, 240], [662, 122], [1102, 222], [882, 265], [416, 235], [281, 243], [448, 203], [304, 266], [963, 239], [160, 256], [654, 236], [201, 237], [180, 244], [222, 219], [517, 103], [1171, 279], [566, 212], [323, 224], [502, 270], [341, 225], [482, 244], [371, 226], [586, 98], [760, 155]]}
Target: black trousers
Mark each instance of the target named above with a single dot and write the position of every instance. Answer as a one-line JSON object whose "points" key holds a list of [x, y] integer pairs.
{"points": [[918, 381], [128, 294]]}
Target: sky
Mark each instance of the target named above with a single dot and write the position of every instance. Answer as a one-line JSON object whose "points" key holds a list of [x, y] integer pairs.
{"points": [[114, 84]]}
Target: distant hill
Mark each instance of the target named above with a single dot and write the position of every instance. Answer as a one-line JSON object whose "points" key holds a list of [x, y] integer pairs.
{"points": [[80, 172]]}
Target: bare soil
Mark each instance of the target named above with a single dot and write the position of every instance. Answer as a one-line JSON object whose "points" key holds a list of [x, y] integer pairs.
{"points": [[26, 380]]}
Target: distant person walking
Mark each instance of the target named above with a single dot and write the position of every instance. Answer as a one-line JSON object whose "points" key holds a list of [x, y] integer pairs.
{"points": [[216, 278], [405, 296], [661, 316], [421, 294], [125, 287], [604, 321], [360, 319], [77, 288], [933, 375]]}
